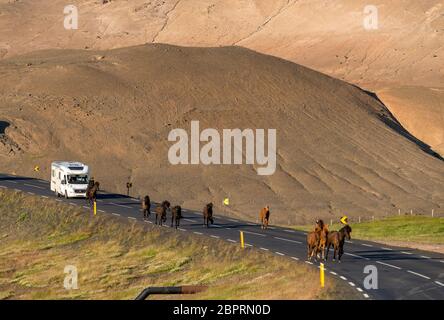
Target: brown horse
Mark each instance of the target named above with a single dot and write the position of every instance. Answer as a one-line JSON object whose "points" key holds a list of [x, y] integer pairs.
{"points": [[312, 244], [208, 214], [161, 212], [91, 193], [313, 239], [146, 206], [337, 239], [176, 215], [323, 238], [264, 215]]}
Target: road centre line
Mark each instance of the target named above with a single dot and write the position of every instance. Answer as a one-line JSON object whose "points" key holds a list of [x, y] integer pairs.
{"points": [[120, 205], [388, 265], [289, 240], [418, 274], [31, 185], [257, 234], [357, 256]]}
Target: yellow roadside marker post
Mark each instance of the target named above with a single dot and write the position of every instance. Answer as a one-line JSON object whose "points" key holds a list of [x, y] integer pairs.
{"points": [[322, 270], [242, 239], [95, 208], [227, 201]]}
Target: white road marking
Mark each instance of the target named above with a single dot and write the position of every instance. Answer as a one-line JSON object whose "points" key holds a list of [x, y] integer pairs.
{"points": [[418, 274], [58, 200], [3, 187], [251, 224], [101, 210], [248, 245], [351, 283], [384, 248], [283, 239], [18, 190], [309, 262], [132, 218], [189, 220], [99, 200], [279, 253], [13, 181], [442, 261], [45, 197], [292, 231], [343, 278], [366, 295], [231, 240], [439, 283], [31, 185], [120, 205], [31, 193], [216, 237], [272, 228], [388, 265], [116, 214], [215, 225], [182, 229], [426, 257], [135, 200], [366, 245], [295, 258], [197, 232], [73, 204], [357, 256], [333, 273], [359, 289], [86, 207], [409, 253], [148, 222], [232, 220], [265, 249], [257, 234]]}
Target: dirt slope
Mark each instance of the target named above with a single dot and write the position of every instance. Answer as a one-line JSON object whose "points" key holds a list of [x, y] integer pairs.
{"points": [[339, 149], [405, 52]]}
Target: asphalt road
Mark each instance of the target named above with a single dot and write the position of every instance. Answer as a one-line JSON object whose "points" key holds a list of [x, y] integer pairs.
{"points": [[403, 273]]}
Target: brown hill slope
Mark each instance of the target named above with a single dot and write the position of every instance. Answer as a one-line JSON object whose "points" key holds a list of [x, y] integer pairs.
{"points": [[404, 54], [339, 150]]}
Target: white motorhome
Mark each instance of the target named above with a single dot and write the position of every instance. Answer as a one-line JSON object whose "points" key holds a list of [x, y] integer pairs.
{"points": [[69, 178]]}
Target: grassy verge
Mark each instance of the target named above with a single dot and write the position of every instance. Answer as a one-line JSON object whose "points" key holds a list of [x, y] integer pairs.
{"points": [[417, 229], [116, 259]]}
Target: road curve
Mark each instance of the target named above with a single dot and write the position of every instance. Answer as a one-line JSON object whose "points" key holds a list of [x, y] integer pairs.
{"points": [[403, 273]]}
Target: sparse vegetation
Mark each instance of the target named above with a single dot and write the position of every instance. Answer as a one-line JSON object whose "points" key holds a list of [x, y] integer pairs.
{"points": [[116, 259]]}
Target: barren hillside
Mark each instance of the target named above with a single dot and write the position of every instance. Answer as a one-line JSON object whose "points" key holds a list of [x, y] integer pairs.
{"points": [[402, 58], [338, 149]]}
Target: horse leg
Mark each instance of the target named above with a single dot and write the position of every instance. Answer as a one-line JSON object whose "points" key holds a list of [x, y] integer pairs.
{"points": [[340, 253], [172, 220]]}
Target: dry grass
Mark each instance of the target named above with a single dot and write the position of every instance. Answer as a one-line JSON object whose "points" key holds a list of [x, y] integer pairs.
{"points": [[116, 259]]}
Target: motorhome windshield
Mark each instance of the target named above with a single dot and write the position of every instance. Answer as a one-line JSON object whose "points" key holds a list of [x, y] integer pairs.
{"points": [[77, 179]]}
